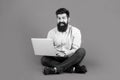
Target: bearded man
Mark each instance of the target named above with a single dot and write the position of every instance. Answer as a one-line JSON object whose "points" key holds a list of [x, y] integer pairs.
{"points": [[67, 41]]}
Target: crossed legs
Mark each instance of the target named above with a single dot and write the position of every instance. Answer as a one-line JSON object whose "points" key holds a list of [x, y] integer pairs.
{"points": [[62, 63]]}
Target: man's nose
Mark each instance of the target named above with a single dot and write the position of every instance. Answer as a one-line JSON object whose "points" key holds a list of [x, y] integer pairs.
{"points": [[61, 20]]}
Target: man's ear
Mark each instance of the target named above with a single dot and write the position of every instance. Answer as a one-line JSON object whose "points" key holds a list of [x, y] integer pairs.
{"points": [[69, 19]]}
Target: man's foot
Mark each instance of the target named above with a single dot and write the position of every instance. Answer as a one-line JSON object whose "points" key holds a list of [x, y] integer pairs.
{"points": [[80, 69], [49, 70], [77, 69], [70, 70]]}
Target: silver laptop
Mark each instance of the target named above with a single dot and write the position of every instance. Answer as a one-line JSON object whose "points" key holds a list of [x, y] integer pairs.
{"points": [[43, 47]]}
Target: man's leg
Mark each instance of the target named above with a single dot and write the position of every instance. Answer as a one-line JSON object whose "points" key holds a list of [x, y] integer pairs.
{"points": [[76, 58], [50, 61]]}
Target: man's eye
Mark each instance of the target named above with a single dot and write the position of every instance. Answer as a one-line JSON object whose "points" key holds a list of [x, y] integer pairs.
{"points": [[59, 18], [63, 18]]}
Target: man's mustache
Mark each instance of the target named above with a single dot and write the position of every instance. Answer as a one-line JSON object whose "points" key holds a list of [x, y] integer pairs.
{"points": [[61, 23]]}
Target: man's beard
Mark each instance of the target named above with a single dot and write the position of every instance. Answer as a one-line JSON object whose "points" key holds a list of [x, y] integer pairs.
{"points": [[62, 26]]}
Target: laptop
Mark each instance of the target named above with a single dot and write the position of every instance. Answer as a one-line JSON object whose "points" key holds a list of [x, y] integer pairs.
{"points": [[43, 47]]}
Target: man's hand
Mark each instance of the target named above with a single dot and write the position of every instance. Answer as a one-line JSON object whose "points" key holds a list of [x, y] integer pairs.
{"points": [[60, 54], [67, 52]]}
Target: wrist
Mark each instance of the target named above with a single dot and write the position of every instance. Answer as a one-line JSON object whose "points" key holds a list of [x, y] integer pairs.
{"points": [[65, 55]]}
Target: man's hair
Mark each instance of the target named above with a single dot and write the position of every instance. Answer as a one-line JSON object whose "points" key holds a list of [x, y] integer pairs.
{"points": [[62, 11]]}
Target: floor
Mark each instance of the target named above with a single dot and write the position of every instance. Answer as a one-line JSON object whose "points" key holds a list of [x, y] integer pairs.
{"points": [[95, 72]]}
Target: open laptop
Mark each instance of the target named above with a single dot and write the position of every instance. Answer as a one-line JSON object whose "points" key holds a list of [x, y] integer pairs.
{"points": [[43, 47]]}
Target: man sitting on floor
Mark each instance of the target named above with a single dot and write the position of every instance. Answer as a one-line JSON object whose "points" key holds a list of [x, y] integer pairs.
{"points": [[67, 41]]}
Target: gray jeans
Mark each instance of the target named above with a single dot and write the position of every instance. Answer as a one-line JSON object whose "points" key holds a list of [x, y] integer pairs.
{"points": [[63, 63]]}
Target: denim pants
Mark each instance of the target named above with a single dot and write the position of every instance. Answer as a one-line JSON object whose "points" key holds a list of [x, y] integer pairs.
{"points": [[63, 63]]}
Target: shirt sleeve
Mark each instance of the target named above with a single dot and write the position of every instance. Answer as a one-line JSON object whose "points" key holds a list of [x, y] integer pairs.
{"points": [[76, 39], [50, 34]]}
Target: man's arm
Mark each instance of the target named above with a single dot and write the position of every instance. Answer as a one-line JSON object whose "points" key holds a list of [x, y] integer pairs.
{"points": [[50, 34], [76, 42], [69, 52]]}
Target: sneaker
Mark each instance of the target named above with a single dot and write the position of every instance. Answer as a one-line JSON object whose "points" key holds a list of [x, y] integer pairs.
{"points": [[80, 69], [70, 70], [49, 70]]}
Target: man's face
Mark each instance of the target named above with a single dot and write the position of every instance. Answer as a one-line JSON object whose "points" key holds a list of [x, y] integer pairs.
{"points": [[62, 22]]}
